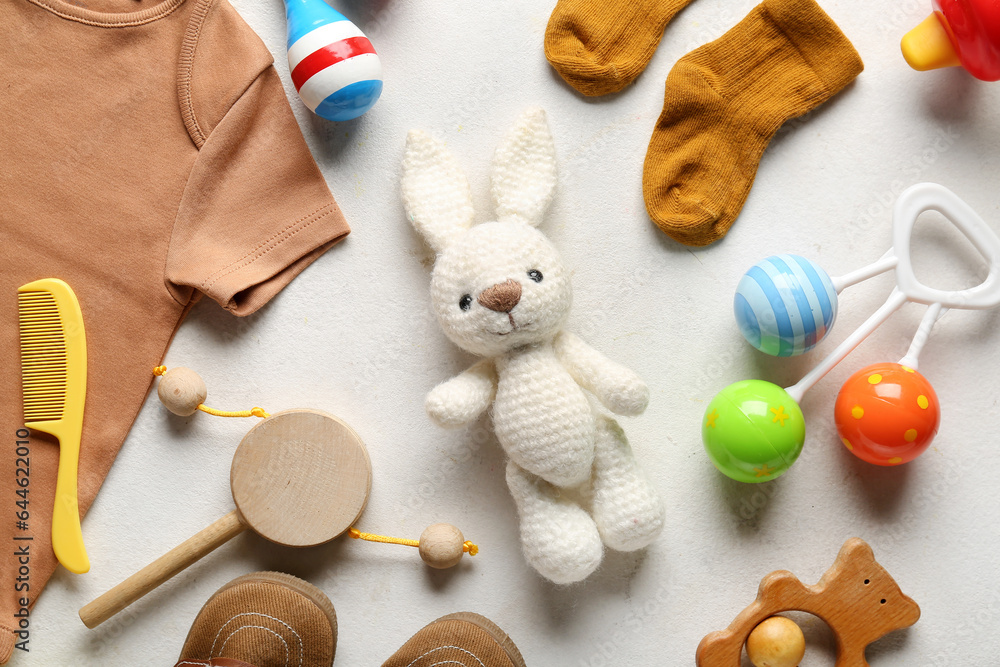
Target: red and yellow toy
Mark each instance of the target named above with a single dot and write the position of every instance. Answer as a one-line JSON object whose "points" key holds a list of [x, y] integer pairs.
{"points": [[959, 32], [887, 414]]}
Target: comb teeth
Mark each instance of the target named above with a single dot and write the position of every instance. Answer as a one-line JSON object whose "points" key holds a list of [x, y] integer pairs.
{"points": [[43, 357]]}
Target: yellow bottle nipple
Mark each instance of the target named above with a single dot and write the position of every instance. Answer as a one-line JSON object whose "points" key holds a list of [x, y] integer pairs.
{"points": [[928, 47]]}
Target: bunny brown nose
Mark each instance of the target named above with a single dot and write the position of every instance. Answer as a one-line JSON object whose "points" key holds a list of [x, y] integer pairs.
{"points": [[501, 297]]}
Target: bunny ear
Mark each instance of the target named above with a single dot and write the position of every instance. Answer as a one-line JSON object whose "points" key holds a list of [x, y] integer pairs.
{"points": [[435, 191], [524, 170]]}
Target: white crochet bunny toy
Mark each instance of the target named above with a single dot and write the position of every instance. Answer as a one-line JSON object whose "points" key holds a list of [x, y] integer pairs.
{"points": [[501, 291]]}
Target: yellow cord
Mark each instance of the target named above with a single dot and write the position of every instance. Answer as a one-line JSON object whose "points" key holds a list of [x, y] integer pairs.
{"points": [[467, 547], [358, 535], [252, 412]]}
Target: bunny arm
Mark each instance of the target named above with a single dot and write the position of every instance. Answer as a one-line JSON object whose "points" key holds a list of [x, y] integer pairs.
{"points": [[620, 389], [460, 400]]}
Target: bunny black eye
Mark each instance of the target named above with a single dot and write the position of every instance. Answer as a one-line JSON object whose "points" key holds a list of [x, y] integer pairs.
{"points": [[465, 302], [535, 275]]}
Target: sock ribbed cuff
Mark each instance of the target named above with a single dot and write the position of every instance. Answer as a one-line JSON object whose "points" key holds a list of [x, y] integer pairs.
{"points": [[601, 46], [818, 39], [783, 48]]}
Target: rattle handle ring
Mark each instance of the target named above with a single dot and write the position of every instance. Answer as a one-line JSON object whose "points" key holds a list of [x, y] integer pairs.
{"points": [[163, 568]]}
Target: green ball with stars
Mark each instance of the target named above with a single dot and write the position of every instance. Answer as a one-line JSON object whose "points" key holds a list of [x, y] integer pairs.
{"points": [[753, 431]]}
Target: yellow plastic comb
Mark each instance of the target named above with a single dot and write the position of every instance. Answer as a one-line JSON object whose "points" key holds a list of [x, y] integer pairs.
{"points": [[54, 381]]}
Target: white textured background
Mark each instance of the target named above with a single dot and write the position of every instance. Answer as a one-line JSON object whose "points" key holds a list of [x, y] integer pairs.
{"points": [[353, 335]]}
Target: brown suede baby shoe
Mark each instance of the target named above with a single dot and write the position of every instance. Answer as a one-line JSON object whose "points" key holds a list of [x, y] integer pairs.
{"points": [[465, 639], [264, 619]]}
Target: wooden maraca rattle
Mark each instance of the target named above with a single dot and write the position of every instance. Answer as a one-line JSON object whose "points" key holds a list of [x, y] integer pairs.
{"points": [[299, 478], [183, 392], [856, 597]]}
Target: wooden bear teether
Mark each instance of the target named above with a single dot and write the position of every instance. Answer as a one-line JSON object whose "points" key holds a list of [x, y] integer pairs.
{"points": [[856, 597]]}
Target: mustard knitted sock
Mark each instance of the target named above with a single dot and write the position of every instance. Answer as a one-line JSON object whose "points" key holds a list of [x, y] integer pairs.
{"points": [[723, 103], [599, 46]]}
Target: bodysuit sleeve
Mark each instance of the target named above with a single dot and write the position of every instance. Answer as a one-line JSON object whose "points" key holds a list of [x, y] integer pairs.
{"points": [[256, 209]]}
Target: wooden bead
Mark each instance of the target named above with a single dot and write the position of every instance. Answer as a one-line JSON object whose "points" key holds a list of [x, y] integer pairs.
{"points": [[182, 390], [776, 642], [442, 545]]}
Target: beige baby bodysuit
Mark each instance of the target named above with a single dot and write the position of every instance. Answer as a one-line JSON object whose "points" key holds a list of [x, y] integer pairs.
{"points": [[148, 156]]}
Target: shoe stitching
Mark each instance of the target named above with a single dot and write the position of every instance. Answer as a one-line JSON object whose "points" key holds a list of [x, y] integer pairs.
{"points": [[201, 663], [257, 613], [439, 648], [257, 627], [450, 662]]}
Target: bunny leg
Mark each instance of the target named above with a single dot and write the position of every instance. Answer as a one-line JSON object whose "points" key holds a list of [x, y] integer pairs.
{"points": [[558, 537], [628, 512]]}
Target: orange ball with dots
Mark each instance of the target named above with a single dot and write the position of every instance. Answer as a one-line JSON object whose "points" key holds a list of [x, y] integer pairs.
{"points": [[887, 414]]}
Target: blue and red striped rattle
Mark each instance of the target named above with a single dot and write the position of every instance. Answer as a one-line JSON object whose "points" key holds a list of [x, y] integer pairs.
{"points": [[334, 67], [886, 413]]}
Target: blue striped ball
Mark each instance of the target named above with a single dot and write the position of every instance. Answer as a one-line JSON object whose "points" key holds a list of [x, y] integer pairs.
{"points": [[785, 305]]}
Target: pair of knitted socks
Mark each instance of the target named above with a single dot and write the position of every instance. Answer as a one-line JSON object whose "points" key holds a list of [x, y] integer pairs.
{"points": [[723, 102]]}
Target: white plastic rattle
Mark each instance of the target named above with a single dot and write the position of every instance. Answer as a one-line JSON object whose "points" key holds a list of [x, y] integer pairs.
{"points": [[886, 413]]}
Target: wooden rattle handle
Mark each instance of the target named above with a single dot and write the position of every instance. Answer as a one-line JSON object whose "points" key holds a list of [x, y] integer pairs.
{"points": [[162, 569]]}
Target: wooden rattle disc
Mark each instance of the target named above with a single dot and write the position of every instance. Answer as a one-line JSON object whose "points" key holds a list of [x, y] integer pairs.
{"points": [[442, 545], [776, 642], [182, 390], [299, 478]]}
